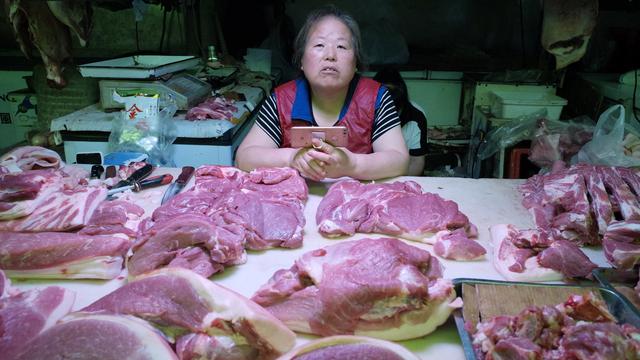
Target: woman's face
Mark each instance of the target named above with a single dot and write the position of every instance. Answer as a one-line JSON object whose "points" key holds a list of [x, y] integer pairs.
{"points": [[329, 60]]}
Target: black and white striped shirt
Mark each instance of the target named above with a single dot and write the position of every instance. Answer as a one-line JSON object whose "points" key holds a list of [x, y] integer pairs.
{"points": [[385, 118]]}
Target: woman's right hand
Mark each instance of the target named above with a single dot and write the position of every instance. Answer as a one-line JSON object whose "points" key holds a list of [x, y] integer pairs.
{"points": [[308, 166]]}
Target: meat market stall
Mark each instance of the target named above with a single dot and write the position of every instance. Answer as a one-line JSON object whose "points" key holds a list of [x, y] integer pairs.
{"points": [[486, 202]]}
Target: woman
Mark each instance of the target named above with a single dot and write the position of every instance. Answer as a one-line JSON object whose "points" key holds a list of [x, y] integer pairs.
{"points": [[330, 93], [412, 120]]}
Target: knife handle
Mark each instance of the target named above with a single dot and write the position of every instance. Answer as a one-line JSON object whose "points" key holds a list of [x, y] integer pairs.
{"points": [[96, 172], [111, 172], [185, 175], [153, 182], [140, 174]]}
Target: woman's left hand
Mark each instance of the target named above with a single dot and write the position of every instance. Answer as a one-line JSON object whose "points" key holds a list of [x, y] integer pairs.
{"points": [[337, 161]]}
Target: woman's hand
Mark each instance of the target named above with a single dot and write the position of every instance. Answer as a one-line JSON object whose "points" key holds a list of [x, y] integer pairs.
{"points": [[307, 165], [336, 162]]}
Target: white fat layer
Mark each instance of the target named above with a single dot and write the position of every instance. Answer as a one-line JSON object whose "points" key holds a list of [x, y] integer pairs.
{"points": [[99, 267], [349, 339], [439, 312], [68, 298], [227, 305]]}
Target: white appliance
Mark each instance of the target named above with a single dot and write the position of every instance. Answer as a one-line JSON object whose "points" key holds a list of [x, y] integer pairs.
{"points": [[618, 88]]}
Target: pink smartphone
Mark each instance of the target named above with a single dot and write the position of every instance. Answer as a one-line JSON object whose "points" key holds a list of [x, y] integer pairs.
{"points": [[335, 135]]}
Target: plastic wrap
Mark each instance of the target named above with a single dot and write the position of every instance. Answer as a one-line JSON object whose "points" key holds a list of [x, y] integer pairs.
{"points": [[142, 128]]}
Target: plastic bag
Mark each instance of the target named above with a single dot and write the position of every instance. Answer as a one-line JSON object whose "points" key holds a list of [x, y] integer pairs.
{"points": [[607, 147], [141, 128], [519, 129]]}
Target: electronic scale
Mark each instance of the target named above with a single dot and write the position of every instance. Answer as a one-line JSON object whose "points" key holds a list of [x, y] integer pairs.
{"points": [[164, 74]]}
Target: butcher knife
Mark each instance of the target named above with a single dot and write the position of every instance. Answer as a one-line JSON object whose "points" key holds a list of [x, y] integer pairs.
{"points": [[183, 179], [137, 176], [144, 184]]}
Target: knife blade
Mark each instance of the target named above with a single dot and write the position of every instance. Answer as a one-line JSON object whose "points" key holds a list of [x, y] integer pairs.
{"points": [[183, 179], [137, 176], [144, 184]]}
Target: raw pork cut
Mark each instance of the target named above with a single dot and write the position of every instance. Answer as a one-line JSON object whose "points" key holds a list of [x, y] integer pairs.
{"points": [[160, 245], [214, 107], [456, 245], [30, 158], [528, 255], [35, 26], [97, 336], [228, 210], [621, 244], [26, 314], [581, 328], [399, 209], [51, 255], [65, 210], [117, 217], [349, 347], [578, 203], [382, 288], [187, 302], [22, 193]]}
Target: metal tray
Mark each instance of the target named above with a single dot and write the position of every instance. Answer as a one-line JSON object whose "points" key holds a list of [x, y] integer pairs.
{"points": [[621, 281], [618, 305]]}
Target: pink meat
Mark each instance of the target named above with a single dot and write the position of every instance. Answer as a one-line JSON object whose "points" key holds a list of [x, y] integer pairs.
{"points": [[216, 107], [25, 315], [324, 287], [60, 211], [24, 251], [114, 217], [398, 208], [161, 244], [21, 193], [30, 158], [567, 258], [164, 300], [457, 246]]}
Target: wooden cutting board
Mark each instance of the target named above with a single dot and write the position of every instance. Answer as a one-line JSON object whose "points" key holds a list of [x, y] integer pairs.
{"points": [[484, 301]]}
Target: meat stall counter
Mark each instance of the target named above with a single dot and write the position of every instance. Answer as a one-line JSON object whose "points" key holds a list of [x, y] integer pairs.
{"points": [[200, 142], [485, 201]]}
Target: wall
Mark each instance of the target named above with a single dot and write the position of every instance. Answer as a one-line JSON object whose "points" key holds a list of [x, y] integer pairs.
{"points": [[10, 134]]}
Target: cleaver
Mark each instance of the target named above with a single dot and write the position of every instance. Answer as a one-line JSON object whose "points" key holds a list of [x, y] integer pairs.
{"points": [[176, 187]]}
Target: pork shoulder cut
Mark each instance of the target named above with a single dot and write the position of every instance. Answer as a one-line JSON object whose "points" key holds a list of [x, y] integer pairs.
{"points": [[51, 255], [382, 288], [99, 336], [349, 347], [26, 314], [398, 209], [182, 302]]}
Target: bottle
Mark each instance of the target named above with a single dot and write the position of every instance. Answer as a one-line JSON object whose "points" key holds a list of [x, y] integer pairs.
{"points": [[212, 54]]}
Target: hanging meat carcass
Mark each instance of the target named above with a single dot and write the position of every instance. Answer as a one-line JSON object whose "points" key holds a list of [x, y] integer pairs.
{"points": [[567, 28], [43, 25]]}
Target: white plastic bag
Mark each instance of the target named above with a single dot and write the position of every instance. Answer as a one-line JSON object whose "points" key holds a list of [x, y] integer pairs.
{"points": [[606, 147]]}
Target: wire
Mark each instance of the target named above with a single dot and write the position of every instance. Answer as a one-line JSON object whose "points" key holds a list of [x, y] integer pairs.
{"points": [[137, 41], [635, 88], [164, 25]]}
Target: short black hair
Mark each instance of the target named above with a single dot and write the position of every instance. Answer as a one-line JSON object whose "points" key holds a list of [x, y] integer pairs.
{"points": [[313, 18], [391, 76]]}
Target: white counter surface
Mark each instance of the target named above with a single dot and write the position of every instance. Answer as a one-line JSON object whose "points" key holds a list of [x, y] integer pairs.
{"points": [[484, 201]]}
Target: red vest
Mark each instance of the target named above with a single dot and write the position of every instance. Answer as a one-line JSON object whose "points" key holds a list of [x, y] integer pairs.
{"points": [[358, 120]]}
